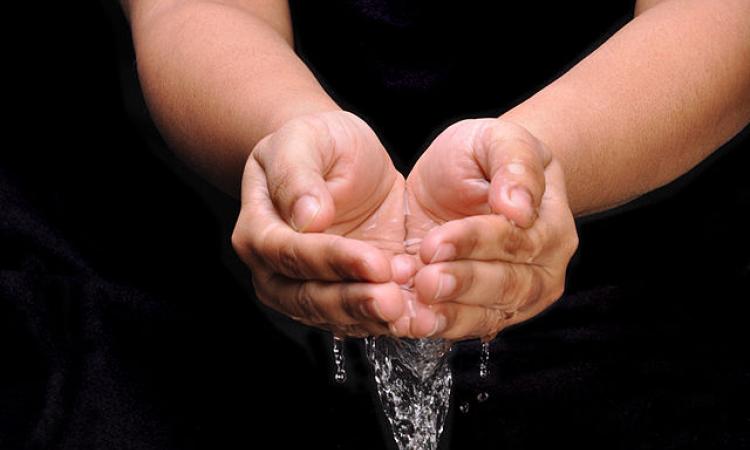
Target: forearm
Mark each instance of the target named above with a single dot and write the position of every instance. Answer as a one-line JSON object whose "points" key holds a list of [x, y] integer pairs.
{"points": [[653, 101], [217, 78]]}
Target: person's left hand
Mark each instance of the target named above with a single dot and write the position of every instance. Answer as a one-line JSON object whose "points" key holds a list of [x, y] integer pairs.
{"points": [[489, 219]]}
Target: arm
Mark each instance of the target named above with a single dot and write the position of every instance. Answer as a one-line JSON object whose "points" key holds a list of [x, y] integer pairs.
{"points": [[649, 104], [321, 217], [218, 76]]}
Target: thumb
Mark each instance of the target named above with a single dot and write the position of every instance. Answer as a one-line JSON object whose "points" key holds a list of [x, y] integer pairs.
{"points": [[294, 160], [515, 161]]}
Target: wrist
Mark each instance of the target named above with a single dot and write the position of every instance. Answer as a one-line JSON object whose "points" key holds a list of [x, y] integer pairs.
{"points": [[297, 106]]}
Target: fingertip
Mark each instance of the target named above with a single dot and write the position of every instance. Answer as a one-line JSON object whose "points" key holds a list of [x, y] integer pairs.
{"points": [[304, 212], [401, 327], [374, 267], [425, 282], [424, 323], [434, 251], [389, 303], [403, 268], [515, 203], [312, 213]]}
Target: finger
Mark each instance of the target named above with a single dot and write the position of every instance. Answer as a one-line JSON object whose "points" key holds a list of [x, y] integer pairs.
{"points": [[487, 238], [514, 160], [403, 269], [472, 321], [331, 303], [495, 285], [294, 160], [417, 321], [261, 236]]}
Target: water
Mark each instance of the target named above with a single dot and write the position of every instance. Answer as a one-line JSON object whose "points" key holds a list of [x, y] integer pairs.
{"points": [[484, 361], [414, 384], [339, 362]]}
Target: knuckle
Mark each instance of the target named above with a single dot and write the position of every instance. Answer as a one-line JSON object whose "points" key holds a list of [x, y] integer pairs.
{"points": [[306, 303], [491, 321], [538, 239], [263, 244], [331, 255], [557, 289], [288, 261], [348, 304], [572, 243], [469, 235], [464, 281], [512, 241], [534, 289], [239, 242], [508, 286]]}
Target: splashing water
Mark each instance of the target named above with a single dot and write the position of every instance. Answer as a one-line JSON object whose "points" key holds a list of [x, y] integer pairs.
{"points": [[414, 384], [339, 362], [484, 361]]}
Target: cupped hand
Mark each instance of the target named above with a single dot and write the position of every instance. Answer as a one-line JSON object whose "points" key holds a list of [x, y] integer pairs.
{"points": [[322, 224], [489, 220]]}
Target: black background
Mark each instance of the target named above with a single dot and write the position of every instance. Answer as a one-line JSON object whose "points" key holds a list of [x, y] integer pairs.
{"points": [[126, 323]]}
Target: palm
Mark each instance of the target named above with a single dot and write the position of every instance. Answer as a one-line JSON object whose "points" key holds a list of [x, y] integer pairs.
{"points": [[445, 184], [367, 190]]}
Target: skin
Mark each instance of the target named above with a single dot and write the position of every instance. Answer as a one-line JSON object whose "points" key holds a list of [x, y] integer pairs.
{"points": [[491, 227], [238, 105]]}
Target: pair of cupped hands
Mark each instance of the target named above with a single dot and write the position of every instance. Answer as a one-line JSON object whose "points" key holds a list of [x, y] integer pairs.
{"points": [[477, 237]]}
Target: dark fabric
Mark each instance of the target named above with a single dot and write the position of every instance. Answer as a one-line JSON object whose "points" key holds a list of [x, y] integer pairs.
{"points": [[126, 322]]}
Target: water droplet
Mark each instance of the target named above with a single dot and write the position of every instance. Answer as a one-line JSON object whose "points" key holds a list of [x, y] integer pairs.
{"points": [[464, 407], [482, 397], [338, 360], [484, 361]]}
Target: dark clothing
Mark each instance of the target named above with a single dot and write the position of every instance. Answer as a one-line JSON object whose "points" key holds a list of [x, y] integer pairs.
{"points": [[127, 323]]}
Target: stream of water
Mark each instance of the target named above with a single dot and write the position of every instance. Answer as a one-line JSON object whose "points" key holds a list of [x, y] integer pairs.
{"points": [[414, 385]]}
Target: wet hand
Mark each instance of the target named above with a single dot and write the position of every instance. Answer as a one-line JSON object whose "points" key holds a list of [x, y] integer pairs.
{"points": [[321, 225], [490, 223]]}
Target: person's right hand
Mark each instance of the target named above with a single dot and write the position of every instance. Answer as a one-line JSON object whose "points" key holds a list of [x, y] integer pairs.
{"points": [[322, 223]]}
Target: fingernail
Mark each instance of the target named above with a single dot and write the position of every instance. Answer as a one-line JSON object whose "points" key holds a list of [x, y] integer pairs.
{"points": [[365, 310], [378, 312], [444, 252], [445, 286], [400, 327], [520, 197], [440, 323], [305, 210]]}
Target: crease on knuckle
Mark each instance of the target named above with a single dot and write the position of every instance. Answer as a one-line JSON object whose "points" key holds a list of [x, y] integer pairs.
{"points": [[511, 241], [534, 290], [289, 262], [490, 321], [348, 302], [572, 243], [465, 281], [507, 294], [306, 304], [333, 259], [537, 240]]}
